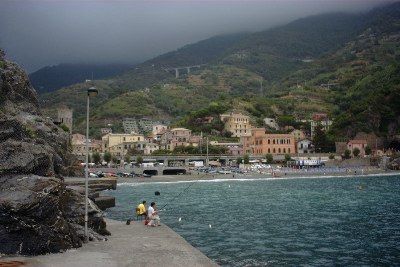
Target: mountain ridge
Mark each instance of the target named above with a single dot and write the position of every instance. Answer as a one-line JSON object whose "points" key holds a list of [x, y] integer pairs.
{"points": [[52, 78]]}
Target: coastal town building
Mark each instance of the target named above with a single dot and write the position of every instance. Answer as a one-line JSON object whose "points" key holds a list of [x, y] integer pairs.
{"points": [[158, 128], [261, 143], [298, 135], [78, 143], [305, 146], [150, 148], [105, 130], [119, 144], [238, 124], [320, 119], [233, 148], [359, 144], [178, 137]]}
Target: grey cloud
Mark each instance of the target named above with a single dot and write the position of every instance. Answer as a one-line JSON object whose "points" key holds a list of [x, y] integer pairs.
{"points": [[36, 33]]}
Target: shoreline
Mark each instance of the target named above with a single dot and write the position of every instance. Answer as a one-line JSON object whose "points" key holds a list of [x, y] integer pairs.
{"points": [[252, 176]]}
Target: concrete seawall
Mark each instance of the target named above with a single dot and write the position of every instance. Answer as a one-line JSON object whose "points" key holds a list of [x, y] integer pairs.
{"points": [[129, 245]]}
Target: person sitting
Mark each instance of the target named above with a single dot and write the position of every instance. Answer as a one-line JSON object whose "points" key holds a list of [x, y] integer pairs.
{"points": [[152, 213], [141, 209]]}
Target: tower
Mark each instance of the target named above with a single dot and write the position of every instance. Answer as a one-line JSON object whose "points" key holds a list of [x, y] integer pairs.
{"points": [[64, 116]]}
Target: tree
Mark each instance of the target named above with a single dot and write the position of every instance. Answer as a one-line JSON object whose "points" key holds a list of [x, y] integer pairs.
{"points": [[96, 157], [246, 159], [356, 152], [368, 150], [347, 154], [127, 158], [269, 158], [161, 152], [107, 157], [319, 140], [239, 160], [331, 156], [64, 127], [139, 159]]}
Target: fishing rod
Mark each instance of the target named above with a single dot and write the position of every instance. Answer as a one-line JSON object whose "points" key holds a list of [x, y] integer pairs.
{"points": [[184, 190]]}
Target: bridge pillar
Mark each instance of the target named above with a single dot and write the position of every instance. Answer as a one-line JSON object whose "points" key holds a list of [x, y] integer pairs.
{"points": [[176, 73], [188, 70], [186, 162]]}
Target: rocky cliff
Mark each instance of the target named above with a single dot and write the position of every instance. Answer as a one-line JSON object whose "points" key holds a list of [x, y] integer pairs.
{"points": [[38, 214]]}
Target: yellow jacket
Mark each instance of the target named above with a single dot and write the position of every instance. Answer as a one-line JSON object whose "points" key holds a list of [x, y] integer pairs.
{"points": [[142, 209]]}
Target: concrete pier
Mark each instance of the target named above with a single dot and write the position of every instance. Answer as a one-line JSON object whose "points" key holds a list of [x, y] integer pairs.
{"points": [[129, 245]]}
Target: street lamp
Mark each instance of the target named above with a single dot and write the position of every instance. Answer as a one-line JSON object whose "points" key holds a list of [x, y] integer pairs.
{"points": [[207, 161], [92, 91]]}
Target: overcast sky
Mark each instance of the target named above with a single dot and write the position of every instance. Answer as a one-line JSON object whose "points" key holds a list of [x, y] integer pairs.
{"points": [[38, 33]]}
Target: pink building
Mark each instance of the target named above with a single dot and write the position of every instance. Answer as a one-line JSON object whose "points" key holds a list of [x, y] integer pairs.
{"points": [[360, 144]]}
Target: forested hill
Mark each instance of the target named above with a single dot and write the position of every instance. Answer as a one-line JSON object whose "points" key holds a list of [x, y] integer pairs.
{"points": [[203, 52], [52, 78], [276, 52]]}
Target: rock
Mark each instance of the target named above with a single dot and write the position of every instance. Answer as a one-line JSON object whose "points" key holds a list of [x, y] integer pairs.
{"points": [[104, 202], [32, 220], [38, 214]]}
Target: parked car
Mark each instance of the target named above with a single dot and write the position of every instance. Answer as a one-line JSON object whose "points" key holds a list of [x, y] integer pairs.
{"points": [[93, 175]]}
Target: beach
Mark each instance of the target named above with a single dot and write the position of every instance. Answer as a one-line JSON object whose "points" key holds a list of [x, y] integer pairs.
{"points": [[282, 173]]}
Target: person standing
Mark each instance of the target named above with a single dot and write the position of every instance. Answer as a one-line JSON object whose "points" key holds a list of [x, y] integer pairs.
{"points": [[152, 213]]}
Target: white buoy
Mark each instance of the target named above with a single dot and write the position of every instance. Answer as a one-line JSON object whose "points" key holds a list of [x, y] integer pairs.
{"points": [[229, 186], [180, 219], [209, 225]]}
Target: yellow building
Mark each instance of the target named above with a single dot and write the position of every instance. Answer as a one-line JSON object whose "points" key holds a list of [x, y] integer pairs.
{"points": [[238, 124], [119, 144], [298, 135], [261, 143]]}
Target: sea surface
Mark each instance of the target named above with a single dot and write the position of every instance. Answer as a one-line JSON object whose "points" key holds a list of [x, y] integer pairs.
{"points": [[334, 221]]}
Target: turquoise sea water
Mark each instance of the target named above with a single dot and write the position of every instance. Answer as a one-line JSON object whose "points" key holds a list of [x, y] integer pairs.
{"points": [[338, 221]]}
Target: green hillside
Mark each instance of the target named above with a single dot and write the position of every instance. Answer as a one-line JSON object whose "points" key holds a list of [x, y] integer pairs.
{"points": [[351, 72], [277, 52]]}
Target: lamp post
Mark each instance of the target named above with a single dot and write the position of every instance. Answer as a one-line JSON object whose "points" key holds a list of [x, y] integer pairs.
{"points": [[207, 153], [92, 91]]}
